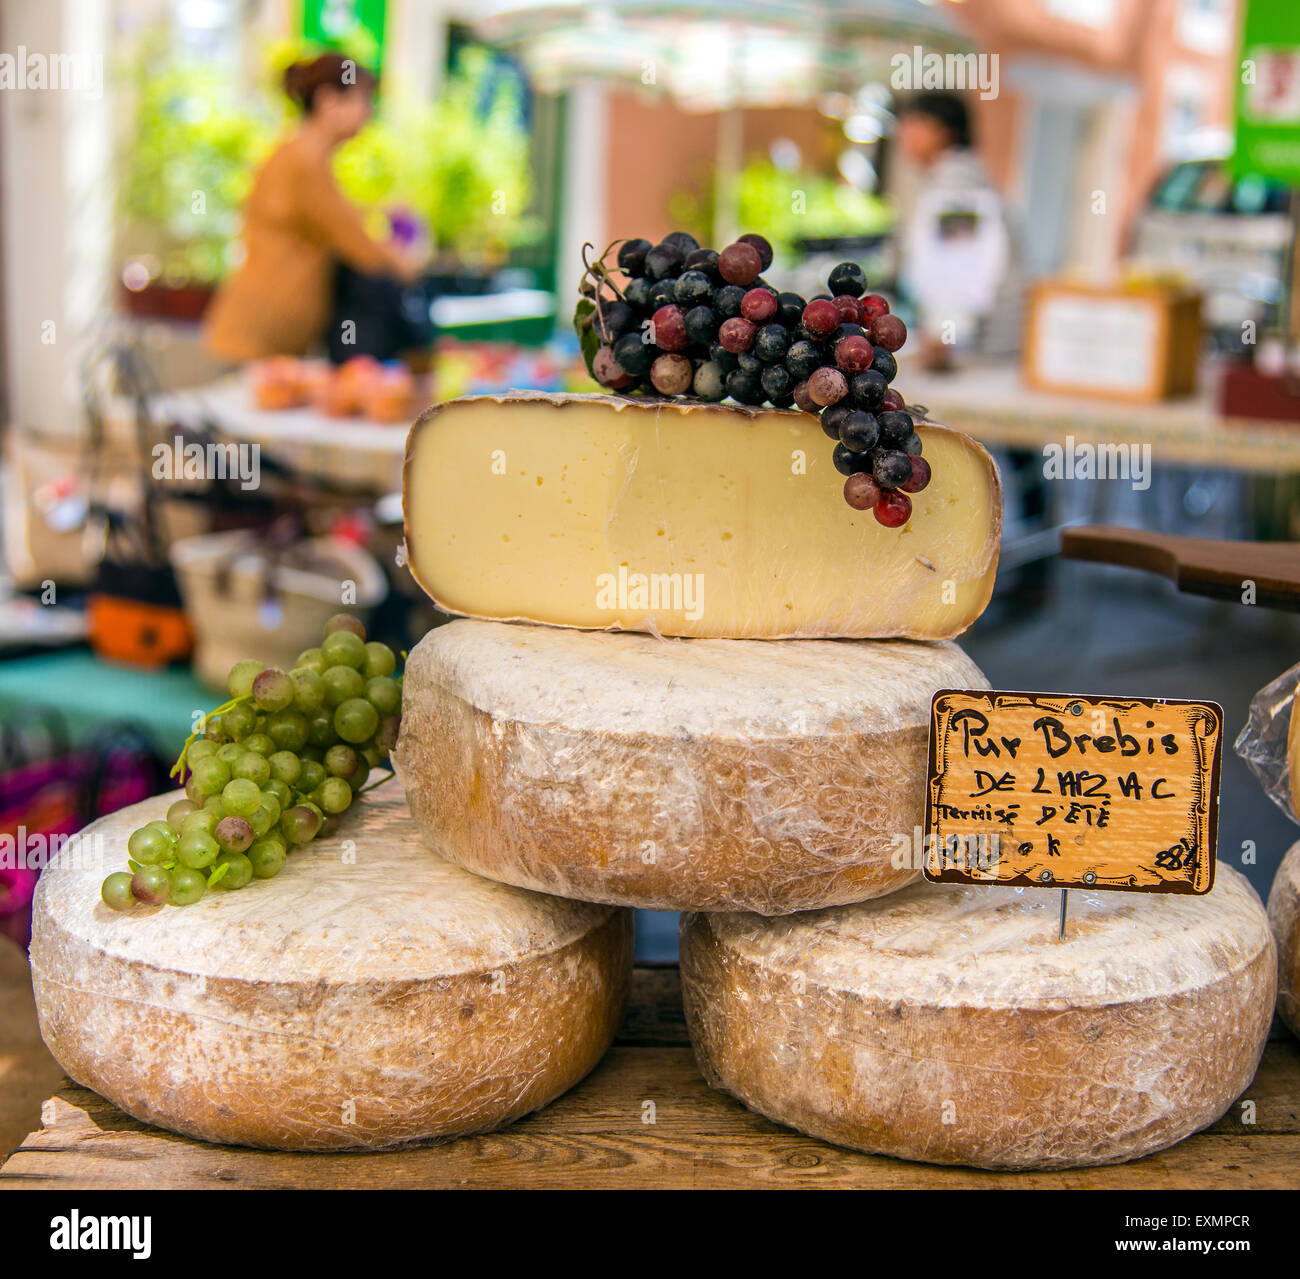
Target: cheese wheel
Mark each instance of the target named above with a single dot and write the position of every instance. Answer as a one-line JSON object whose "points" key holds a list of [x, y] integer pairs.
{"points": [[369, 995], [678, 517], [948, 1023], [673, 774], [1284, 919]]}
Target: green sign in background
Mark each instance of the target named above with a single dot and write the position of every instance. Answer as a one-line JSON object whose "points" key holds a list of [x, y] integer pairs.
{"points": [[1268, 91], [356, 26]]}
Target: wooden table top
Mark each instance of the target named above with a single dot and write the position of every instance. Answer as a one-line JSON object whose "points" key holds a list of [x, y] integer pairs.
{"points": [[596, 1137]]}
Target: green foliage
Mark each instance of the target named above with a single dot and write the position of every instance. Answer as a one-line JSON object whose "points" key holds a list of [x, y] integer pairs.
{"points": [[785, 206], [460, 162], [189, 164]]}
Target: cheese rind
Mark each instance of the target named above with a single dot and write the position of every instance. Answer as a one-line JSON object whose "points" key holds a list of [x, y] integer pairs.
{"points": [[948, 1024], [673, 774], [1284, 919], [688, 519], [368, 996]]}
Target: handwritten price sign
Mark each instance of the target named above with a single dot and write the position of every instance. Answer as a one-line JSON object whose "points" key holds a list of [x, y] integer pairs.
{"points": [[1047, 791]]}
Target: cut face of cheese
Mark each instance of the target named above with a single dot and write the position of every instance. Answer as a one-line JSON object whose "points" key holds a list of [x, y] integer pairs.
{"points": [[670, 773], [369, 995], [686, 519], [1284, 919], [948, 1024]]}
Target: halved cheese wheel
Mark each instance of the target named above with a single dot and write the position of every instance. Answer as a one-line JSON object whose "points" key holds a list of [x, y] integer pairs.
{"points": [[678, 517], [1284, 919], [369, 995], [948, 1024], [770, 776]]}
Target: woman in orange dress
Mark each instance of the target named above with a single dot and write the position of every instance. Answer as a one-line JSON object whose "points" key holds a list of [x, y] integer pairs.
{"points": [[298, 225]]}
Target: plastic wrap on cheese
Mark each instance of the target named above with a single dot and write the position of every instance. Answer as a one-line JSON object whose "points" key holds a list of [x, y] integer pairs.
{"points": [[368, 996], [1270, 740], [673, 774], [950, 1024]]}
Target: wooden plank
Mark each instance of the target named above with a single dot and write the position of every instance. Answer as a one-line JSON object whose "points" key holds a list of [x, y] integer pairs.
{"points": [[1197, 566], [605, 1134]]}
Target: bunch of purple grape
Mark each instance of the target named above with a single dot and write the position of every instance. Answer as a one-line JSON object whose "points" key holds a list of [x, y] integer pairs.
{"points": [[690, 321]]}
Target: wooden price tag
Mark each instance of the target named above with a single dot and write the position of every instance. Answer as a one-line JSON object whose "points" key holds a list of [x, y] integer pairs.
{"points": [[1041, 790]]}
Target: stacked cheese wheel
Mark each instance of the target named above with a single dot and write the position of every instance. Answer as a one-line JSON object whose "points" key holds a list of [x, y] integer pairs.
{"points": [[371, 995], [726, 713]]}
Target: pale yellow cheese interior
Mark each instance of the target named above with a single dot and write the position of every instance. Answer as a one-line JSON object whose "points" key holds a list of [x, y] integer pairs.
{"points": [[685, 519]]}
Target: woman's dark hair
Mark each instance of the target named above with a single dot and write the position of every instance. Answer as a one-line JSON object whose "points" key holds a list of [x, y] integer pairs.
{"points": [[303, 79], [946, 109]]}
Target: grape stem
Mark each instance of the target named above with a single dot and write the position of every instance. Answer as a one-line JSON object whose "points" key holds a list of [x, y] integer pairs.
{"points": [[371, 786], [600, 274], [178, 768]]}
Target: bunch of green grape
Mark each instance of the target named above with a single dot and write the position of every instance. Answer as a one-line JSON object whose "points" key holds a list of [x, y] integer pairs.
{"points": [[274, 767]]}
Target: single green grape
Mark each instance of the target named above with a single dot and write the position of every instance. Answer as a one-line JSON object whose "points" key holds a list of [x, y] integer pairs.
{"points": [[239, 722], [198, 750], [320, 729], [148, 845], [214, 804], [344, 648], [288, 730], [267, 857], [266, 816], [151, 885], [308, 690], [285, 767], [300, 823], [116, 891], [272, 690], [240, 872], [380, 660], [170, 835], [333, 795], [346, 622], [311, 776], [241, 796], [187, 886], [358, 779], [340, 683], [211, 775], [387, 732], [384, 694], [203, 822], [241, 677], [192, 791], [179, 811], [341, 760], [315, 752], [260, 743], [197, 849], [309, 659], [280, 790], [229, 752], [233, 834], [356, 720], [252, 768]]}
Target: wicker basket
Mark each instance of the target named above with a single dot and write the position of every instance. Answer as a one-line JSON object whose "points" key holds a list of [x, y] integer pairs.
{"points": [[245, 601]]}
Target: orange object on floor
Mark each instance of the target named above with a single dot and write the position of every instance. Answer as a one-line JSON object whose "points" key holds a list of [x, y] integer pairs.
{"points": [[127, 630]]}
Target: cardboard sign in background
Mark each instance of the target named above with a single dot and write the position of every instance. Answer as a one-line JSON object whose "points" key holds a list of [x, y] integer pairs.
{"points": [[1045, 790]]}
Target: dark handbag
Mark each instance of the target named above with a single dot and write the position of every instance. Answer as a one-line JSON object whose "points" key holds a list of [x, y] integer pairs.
{"points": [[386, 318]]}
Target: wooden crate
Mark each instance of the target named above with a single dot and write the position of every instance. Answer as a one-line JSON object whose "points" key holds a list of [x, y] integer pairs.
{"points": [[596, 1137], [1138, 345]]}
